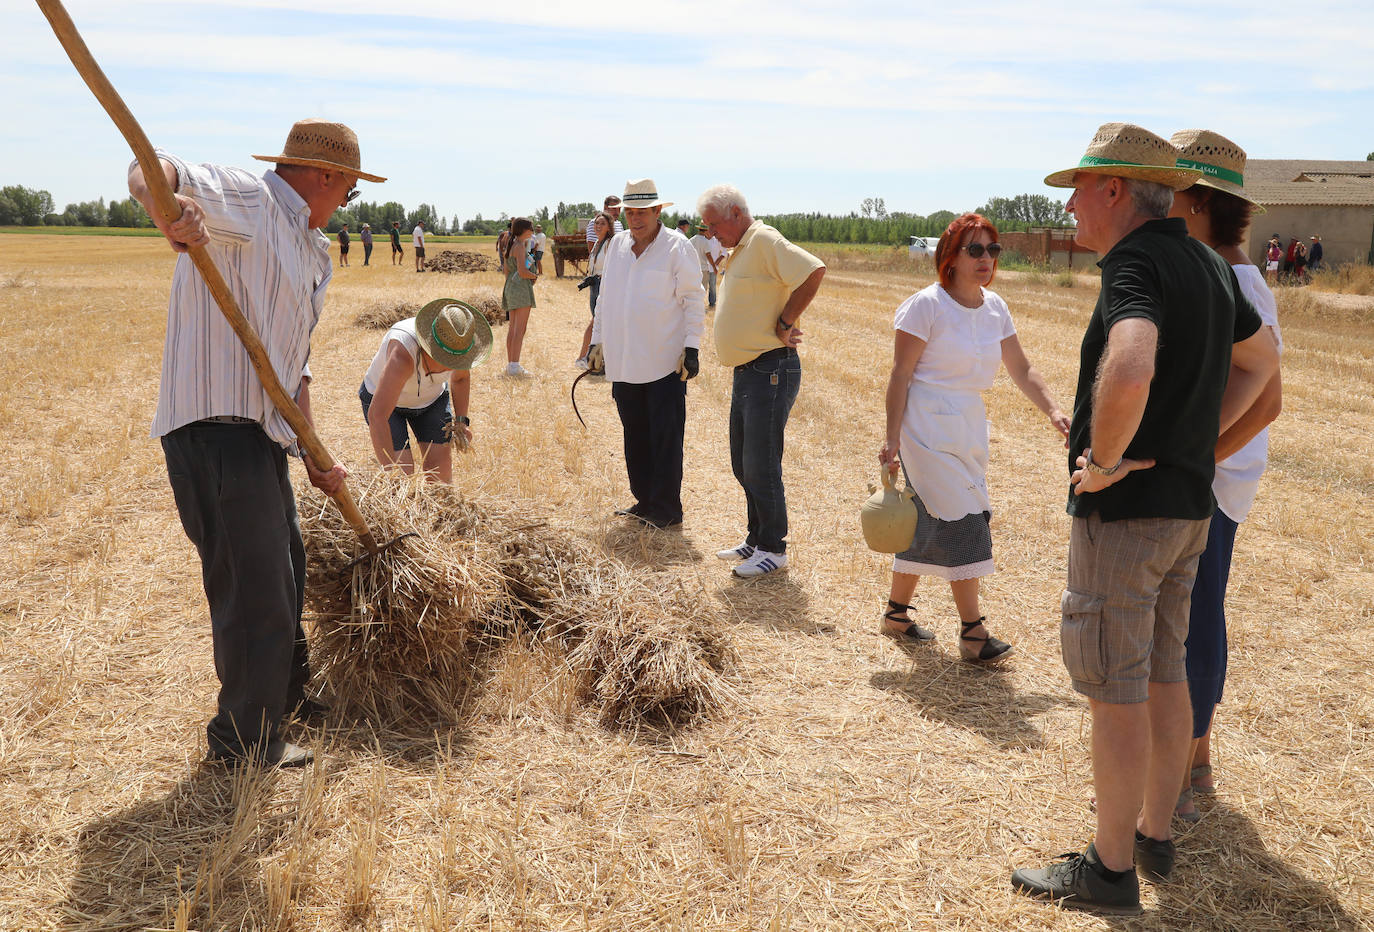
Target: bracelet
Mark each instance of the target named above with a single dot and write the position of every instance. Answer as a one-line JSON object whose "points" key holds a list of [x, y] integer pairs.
{"points": [[462, 419], [1104, 470]]}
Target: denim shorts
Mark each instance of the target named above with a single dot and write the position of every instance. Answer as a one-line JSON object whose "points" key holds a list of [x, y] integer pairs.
{"points": [[430, 424]]}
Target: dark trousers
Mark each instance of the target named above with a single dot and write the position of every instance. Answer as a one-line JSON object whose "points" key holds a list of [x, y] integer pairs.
{"points": [[233, 493], [1206, 643], [764, 391], [367, 253], [653, 416]]}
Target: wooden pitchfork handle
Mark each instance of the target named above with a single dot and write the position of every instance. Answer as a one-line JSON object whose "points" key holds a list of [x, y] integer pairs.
{"points": [[167, 205]]}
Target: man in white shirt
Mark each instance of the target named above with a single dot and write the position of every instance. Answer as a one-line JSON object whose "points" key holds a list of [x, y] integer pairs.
{"points": [[710, 252], [226, 445], [647, 332], [417, 236]]}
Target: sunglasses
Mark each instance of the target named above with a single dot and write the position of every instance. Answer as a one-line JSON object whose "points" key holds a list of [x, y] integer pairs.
{"points": [[976, 250], [353, 194]]}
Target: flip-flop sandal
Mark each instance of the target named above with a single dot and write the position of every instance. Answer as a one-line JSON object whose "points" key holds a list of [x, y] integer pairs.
{"points": [[1201, 772], [1186, 799]]}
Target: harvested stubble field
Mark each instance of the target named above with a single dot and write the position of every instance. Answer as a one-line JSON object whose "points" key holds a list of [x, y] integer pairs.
{"points": [[850, 786]]}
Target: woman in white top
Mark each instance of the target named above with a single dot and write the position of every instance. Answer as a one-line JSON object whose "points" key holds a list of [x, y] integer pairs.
{"points": [[950, 339], [603, 224], [418, 376], [1218, 213]]}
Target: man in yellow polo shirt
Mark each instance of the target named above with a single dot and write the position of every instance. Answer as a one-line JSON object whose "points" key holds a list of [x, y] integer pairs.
{"points": [[765, 286]]}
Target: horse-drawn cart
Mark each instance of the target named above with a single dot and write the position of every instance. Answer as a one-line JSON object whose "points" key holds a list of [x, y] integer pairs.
{"points": [[570, 248]]}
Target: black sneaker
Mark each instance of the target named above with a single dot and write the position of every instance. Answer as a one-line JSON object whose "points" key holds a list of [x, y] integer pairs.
{"points": [[1073, 882], [1154, 859]]}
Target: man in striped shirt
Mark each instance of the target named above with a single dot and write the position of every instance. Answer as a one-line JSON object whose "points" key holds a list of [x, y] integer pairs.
{"points": [[226, 445]]}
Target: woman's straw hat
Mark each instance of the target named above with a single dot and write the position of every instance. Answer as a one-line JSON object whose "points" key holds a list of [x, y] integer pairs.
{"points": [[319, 144], [455, 334], [1125, 150], [642, 193], [1220, 160]]}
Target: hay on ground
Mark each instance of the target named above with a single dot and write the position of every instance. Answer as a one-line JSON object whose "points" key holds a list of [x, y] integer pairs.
{"points": [[488, 301], [398, 636], [450, 260], [379, 315]]}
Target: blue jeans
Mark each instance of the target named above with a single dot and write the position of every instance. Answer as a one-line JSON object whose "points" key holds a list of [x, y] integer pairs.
{"points": [[1207, 652], [708, 281], [764, 392]]}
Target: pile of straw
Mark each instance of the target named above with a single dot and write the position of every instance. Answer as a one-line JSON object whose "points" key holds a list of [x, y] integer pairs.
{"points": [[379, 315], [404, 635], [488, 301], [450, 260]]}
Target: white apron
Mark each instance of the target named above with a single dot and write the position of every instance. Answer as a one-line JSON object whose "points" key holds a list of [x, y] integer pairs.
{"points": [[945, 449]]}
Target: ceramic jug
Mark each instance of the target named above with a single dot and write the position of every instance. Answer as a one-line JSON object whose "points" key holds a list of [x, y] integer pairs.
{"points": [[888, 517]]}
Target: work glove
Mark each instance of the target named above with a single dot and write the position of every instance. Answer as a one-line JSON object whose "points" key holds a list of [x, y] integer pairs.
{"points": [[596, 359], [687, 364]]}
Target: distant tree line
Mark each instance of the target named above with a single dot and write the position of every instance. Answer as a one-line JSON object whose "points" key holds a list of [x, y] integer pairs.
{"points": [[872, 223]]}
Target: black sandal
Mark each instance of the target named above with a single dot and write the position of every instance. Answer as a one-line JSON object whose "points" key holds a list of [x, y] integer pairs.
{"points": [[911, 634], [992, 648]]}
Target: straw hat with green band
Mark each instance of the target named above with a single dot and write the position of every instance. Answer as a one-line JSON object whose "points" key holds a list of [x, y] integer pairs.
{"points": [[455, 334], [1125, 150], [1220, 160]]}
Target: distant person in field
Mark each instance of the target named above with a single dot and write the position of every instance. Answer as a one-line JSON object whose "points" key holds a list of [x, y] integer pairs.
{"points": [[1218, 213], [709, 252], [604, 226], [397, 252], [418, 237], [537, 242], [227, 447], [1300, 263], [950, 339], [768, 284], [684, 226], [647, 335], [365, 234], [1172, 357], [1273, 255], [517, 297], [420, 381], [1290, 258], [1314, 254], [343, 245], [611, 206]]}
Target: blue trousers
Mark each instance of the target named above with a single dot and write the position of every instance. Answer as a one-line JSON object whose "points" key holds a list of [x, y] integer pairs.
{"points": [[233, 493], [764, 391], [1206, 644]]}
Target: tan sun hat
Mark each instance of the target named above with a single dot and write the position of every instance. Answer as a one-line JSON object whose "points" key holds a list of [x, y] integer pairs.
{"points": [[642, 193], [320, 144], [1220, 160], [454, 333], [1125, 150]]}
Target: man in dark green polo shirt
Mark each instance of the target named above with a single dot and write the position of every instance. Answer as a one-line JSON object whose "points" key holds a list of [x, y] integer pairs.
{"points": [[1172, 356]]}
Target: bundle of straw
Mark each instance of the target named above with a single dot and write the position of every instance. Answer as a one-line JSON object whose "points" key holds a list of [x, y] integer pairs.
{"points": [[379, 315], [402, 634]]}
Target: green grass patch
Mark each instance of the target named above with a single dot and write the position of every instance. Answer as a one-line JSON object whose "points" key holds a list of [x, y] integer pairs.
{"points": [[83, 231]]}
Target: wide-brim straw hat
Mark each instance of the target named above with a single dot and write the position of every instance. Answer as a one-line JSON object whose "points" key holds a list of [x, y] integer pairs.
{"points": [[320, 144], [642, 193], [1220, 160], [1125, 150], [454, 333]]}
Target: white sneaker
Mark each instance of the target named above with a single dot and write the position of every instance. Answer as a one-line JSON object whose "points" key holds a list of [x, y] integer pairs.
{"points": [[515, 370], [742, 552], [760, 563]]}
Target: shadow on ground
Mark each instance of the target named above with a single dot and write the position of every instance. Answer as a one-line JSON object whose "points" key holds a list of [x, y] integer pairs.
{"points": [[640, 546], [773, 602], [968, 696]]}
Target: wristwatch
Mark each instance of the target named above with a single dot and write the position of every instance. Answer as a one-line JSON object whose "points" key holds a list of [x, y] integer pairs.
{"points": [[784, 325], [1103, 470], [462, 419]]}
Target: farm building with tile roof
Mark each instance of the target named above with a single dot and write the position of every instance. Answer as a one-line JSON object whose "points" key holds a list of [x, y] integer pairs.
{"points": [[1302, 197]]}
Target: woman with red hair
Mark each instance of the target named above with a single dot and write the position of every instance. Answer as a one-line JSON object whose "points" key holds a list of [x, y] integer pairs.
{"points": [[950, 339]]}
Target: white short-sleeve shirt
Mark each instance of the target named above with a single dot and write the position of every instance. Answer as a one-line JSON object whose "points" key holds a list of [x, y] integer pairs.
{"points": [[963, 344]]}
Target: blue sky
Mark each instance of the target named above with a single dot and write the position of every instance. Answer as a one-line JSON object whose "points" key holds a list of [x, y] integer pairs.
{"points": [[489, 107]]}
